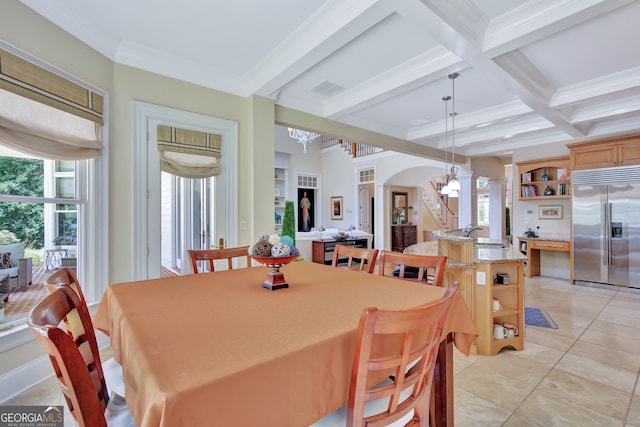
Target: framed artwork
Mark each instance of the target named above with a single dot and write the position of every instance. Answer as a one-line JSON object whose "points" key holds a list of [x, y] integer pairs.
{"points": [[336, 207], [306, 203], [550, 212]]}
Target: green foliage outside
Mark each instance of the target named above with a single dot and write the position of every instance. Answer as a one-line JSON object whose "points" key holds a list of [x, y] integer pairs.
{"points": [[23, 177], [508, 221], [289, 221]]}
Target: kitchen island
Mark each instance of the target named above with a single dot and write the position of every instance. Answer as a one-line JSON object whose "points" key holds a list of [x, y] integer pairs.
{"points": [[475, 264]]}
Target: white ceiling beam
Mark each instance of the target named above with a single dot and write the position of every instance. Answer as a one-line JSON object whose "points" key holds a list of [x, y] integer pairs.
{"points": [[334, 25]]}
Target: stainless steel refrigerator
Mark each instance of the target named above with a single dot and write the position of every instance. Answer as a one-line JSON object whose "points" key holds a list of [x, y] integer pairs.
{"points": [[606, 226]]}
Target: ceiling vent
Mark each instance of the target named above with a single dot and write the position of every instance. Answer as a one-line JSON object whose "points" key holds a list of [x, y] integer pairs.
{"points": [[327, 88]]}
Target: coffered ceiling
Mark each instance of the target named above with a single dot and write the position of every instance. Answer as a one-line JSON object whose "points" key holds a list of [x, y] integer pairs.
{"points": [[530, 72]]}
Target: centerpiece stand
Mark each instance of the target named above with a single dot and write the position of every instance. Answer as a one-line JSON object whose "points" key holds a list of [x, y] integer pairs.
{"points": [[275, 278]]}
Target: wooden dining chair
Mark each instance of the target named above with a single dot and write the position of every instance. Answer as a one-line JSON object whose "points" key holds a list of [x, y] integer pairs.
{"points": [[76, 361], [404, 397], [421, 268], [366, 257], [211, 255], [75, 327]]}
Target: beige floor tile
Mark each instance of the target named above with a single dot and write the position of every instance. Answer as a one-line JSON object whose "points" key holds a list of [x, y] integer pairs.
{"points": [[504, 391], [551, 410], [620, 316], [616, 342], [628, 331], [474, 411], [539, 353], [542, 336], [597, 396], [604, 373], [508, 364], [633, 417], [603, 354]]}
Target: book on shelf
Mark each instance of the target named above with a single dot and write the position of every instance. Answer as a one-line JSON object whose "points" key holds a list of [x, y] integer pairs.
{"points": [[562, 189], [526, 177], [529, 191], [564, 174]]}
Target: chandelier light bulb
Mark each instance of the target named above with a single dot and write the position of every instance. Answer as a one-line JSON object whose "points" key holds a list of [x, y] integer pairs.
{"points": [[445, 190]]}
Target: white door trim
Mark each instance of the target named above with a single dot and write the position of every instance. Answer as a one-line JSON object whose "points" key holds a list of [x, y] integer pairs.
{"points": [[143, 190]]}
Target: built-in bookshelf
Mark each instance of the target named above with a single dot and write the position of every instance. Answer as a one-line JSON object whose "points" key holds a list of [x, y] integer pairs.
{"points": [[544, 179]]}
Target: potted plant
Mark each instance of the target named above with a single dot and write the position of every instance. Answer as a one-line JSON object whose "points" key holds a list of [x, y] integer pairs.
{"points": [[57, 242], [63, 240]]}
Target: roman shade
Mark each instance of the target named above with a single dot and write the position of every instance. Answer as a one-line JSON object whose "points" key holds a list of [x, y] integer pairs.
{"points": [[46, 115], [188, 153]]}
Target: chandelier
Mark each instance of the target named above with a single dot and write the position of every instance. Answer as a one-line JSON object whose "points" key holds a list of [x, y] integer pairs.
{"points": [[304, 137], [452, 186]]}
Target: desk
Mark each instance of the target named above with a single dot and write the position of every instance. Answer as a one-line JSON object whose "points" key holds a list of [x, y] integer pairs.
{"points": [[532, 248], [219, 345], [53, 258]]}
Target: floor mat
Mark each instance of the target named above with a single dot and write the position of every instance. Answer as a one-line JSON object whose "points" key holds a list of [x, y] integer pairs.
{"points": [[536, 317]]}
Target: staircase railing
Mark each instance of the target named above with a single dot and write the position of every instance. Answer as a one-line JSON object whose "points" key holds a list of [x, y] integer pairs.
{"points": [[439, 207], [353, 149]]}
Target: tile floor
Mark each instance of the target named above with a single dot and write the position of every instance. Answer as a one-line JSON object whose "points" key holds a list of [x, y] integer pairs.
{"points": [[586, 373]]}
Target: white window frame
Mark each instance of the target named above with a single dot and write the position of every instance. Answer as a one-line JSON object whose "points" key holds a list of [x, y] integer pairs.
{"points": [[93, 218]]}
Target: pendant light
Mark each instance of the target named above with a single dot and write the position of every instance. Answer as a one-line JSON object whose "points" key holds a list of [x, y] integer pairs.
{"points": [[454, 184], [446, 190]]}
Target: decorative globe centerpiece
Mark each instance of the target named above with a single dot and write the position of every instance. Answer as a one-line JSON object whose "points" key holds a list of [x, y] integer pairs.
{"points": [[273, 252]]}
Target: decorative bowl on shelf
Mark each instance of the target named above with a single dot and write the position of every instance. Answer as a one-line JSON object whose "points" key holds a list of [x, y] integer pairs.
{"points": [[275, 278]]}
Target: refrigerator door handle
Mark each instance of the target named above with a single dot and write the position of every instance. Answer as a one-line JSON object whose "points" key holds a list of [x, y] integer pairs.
{"points": [[608, 234], [605, 233]]}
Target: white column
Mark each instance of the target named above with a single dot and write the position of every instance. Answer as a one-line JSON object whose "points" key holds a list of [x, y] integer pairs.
{"points": [[466, 201], [497, 210]]}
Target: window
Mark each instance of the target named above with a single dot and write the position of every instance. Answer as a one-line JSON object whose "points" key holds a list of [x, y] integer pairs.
{"points": [[483, 201], [50, 202], [367, 175]]}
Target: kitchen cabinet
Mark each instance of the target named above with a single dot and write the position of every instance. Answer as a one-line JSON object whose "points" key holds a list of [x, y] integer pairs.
{"points": [[403, 236], [538, 175], [605, 153], [510, 297]]}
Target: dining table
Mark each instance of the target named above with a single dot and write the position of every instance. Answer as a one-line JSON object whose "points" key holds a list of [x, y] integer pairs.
{"points": [[219, 349]]}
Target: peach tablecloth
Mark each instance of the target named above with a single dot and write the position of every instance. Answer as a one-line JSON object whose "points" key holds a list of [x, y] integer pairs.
{"points": [[218, 349]]}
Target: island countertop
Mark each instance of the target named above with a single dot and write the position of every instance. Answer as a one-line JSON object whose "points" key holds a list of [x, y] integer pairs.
{"points": [[484, 254]]}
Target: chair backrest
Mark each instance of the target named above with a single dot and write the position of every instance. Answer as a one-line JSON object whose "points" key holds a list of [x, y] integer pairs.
{"points": [[416, 334], [75, 358], [421, 268], [366, 256], [211, 255], [66, 277]]}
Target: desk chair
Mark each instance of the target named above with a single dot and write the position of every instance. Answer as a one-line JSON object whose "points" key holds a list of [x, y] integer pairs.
{"points": [[75, 327], [421, 268], [366, 256], [405, 396], [210, 255], [76, 361]]}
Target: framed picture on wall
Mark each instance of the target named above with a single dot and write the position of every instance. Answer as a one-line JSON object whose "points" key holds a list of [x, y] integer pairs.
{"points": [[550, 212], [336, 207], [306, 203]]}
